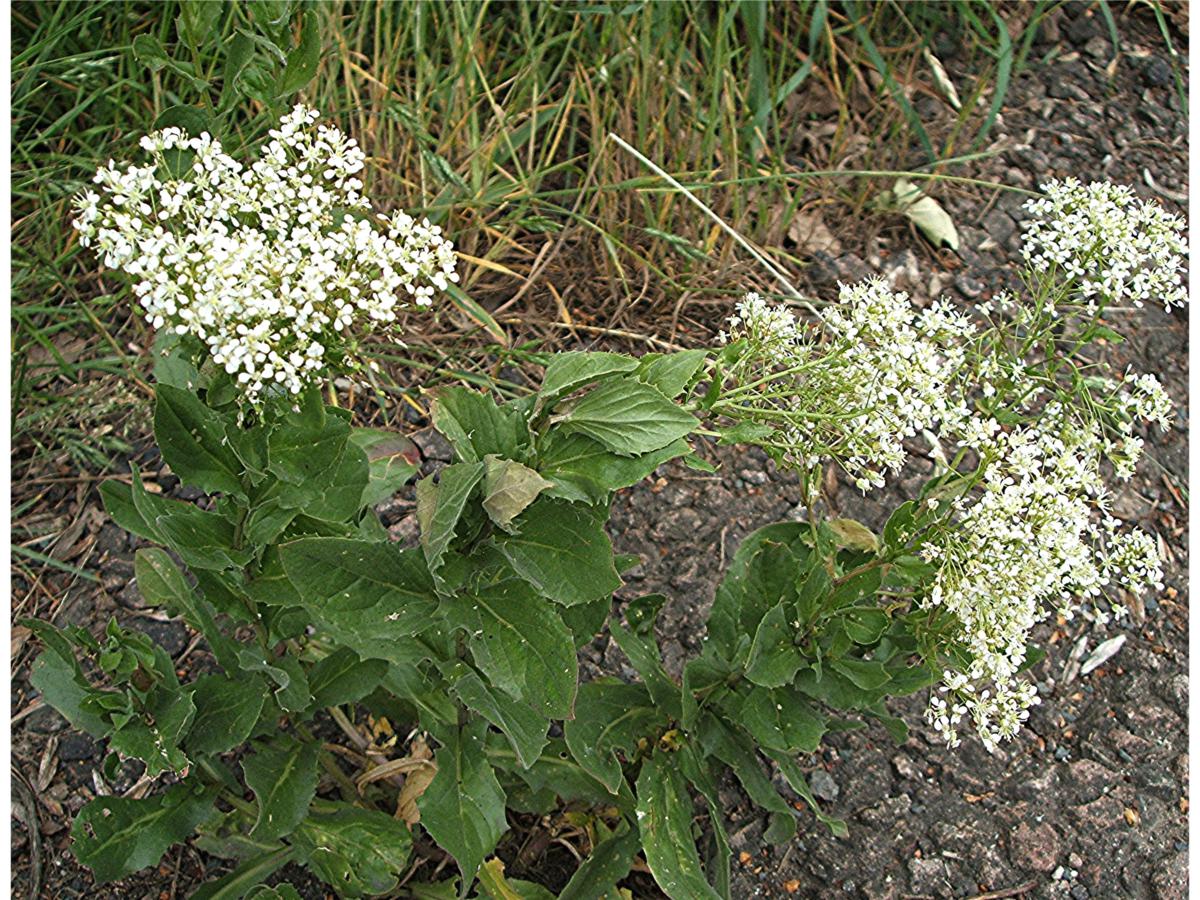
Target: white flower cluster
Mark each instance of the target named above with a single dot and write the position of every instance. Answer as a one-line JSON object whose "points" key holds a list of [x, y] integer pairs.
{"points": [[878, 373], [277, 266], [1029, 544], [1114, 246]]}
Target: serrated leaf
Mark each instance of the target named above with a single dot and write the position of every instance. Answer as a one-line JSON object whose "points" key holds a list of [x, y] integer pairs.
{"points": [[359, 852], [406, 600], [926, 213], [227, 710], [639, 644], [763, 572], [561, 549], [664, 812], [283, 776], [573, 369], [734, 747], [342, 677], [463, 807], [508, 488], [439, 508], [519, 642], [392, 459], [345, 575], [196, 21], [525, 729], [302, 61], [162, 584], [670, 373], [611, 718], [781, 718], [628, 417], [477, 427], [63, 688], [114, 836], [582, 469], [244, 880], [608, 863], [774, 657]]}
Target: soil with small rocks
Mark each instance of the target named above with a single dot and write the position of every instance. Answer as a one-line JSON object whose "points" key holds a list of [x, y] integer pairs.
{"points": [[1089, 800]]}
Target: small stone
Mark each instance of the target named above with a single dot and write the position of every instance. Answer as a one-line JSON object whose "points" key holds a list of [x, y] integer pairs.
{"points": [[823, 786], [433, 446], [905, 767], [171, 636], [1034, 847], [1157, 73], [927, 875], [76, 747], [406, 531], [968, 286], [1098, 47], [1079, 892]]}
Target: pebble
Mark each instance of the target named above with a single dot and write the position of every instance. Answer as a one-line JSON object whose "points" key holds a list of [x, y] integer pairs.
{"points": [[823, 786], [1034, 847], [1157, 73], [76, 747], [1062, 754], [969, 287]]}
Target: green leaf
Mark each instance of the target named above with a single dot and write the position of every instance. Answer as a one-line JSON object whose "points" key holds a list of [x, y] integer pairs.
{"points": [[246, 877], [196, 21], [612, 720], [670, 373], [639, 644], [149, 50], [203, 540], [227, 709], [345, 575], [780, 718], [865, 624], [866, 674], [763, 572], [628, 417], [392, 460], [582, 469], [153, 736], [342, 676], [586, 620], [278, 892], [573, 369], [303, 60], [64, 688], [193, 120], [745, 432], [608, 863], [774, 658], [463, 807], [406, 601], [359, 852], [734, 747], [798, 783], [117, 498], [306, 445], [524, 728], [439, 508], [343, 488], [162, 584], [114, 836], [283, 776], [664, 812], [237, 57], [477, 427], [508, 488], [519, 642], [562, 550]]}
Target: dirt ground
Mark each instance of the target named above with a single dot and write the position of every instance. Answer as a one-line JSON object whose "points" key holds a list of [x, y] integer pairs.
{"points": [[1088, 801]]}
